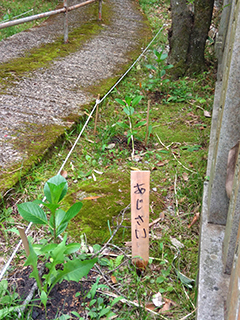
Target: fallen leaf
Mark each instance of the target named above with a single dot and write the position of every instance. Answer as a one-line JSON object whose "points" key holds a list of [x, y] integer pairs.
{"points": [[167, 305], [161, 163], [113, 278], [157, 300], [185, 176], [92, 198], [194, 220], [150, 306], [207, 114]]}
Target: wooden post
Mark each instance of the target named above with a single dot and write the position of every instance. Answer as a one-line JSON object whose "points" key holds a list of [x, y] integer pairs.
{"points": [[24, 239], [140, 181], [100, 10], [65, 5], [147, 124], [96, 116]]}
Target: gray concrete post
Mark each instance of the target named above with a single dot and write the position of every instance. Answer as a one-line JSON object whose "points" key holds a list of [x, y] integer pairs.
{"points": [[233, 220], [228, 128], [233, 296]]}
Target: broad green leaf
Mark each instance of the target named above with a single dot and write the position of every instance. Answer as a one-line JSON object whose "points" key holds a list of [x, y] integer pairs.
{"points": [[32, 212], [187, 282], [169, 66], [119, 260], [120, 101], [72, 211], [123, 125], [59, 217], [162, 73], [74, 270], [104, 311], [136, 100], [72, 247], [66, 317], [56, 192], [129, 110], [32, 260], [128, 100], [110, 315], [157, 54], [115, 300], [57, 257], [150, 66], [3, 287], [48, 248], [50, 206], [61, 228], [6, 311], [55, 189], [43, 298], [140, 123], [164, 56]]}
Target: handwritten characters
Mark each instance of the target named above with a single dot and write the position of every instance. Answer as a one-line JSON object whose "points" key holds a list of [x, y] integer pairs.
{"points": [[139, 231]]}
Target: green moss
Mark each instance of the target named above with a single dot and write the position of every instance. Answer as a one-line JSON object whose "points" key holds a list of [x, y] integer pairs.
{"points": [[95, 215], [112, 195], [33, 144]]}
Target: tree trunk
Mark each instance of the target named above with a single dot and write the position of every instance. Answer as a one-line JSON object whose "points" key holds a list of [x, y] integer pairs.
{"points": [[188, 35]]}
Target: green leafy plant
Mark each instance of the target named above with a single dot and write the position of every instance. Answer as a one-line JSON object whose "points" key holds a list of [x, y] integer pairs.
{"points": [[159, 67], [9, 302], [55, 189], [55, 254], [132, 126], [97, 308]]}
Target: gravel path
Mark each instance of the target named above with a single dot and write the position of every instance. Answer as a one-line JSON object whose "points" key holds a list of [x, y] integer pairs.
{"points": [[47, 96]]}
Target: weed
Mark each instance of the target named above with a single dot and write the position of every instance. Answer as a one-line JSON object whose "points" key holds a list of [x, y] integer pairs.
{"points": [[132, 125]]}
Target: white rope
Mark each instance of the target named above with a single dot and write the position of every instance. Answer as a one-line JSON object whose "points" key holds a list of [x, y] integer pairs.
{"points": [[76, 141]]}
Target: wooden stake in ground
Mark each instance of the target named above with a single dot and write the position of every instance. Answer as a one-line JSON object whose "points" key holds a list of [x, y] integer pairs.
{"points": [[147, 124], [140, 217], [96, 117], [24, 239]]}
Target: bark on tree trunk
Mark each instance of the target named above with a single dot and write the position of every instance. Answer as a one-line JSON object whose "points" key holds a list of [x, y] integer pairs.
{"points": [[188, 35]]}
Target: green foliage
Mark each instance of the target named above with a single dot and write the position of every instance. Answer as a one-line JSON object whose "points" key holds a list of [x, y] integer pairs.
{"points": [[55, 189], [73, 270], [159, 68], [133, 124], [9, 301], [11, 10], [97, 309]]}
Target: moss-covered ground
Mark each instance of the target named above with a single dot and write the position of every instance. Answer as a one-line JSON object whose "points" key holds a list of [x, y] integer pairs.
{"points": [[99, 176]]}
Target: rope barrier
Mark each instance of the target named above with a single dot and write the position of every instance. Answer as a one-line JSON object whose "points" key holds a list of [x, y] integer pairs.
{"points": [[79, 136]]}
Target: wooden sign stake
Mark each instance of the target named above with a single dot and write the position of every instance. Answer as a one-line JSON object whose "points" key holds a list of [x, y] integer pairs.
{"points": [[24, 239], [140, 181]]}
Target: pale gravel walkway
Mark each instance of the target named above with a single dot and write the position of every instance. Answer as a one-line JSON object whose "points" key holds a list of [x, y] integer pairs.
{"points": [[48, 95]]}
